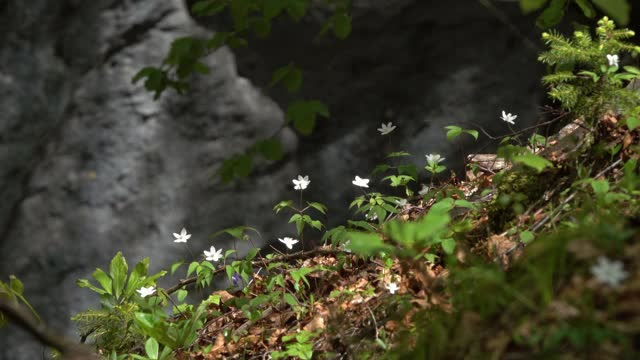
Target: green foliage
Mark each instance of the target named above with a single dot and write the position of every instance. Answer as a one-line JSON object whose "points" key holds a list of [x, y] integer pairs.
{"points": [[582, 79], [13, 291], [555, 10]]}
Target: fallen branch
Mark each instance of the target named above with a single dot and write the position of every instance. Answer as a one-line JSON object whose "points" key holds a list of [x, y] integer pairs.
{"points": [[20, 316]]}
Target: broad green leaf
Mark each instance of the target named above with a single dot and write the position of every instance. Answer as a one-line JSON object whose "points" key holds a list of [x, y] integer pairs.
{"points": [[243, 166], [318, 206], [526, 237], [600, 187], [473, 133], [181, 294], [271, 149], [465, 204], [341, 25], [192, 267], [367, 244], [552, 15], [448, 245], [632, 69], [533, 161], [152, 347], [619, 10], [453, 132], [138, 273], [175, 266], [104, 280], [528, 6], [118, 270], [633, 122], [587, 8], [252, 254]]}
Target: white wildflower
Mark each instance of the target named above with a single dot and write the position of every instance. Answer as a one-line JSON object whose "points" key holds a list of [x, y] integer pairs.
{"points": [[213, 255], [301, 183], [609, 272], [289, 242], [434, 159], [392, 287], [182, 237], [386, 129], [613, 60], [146, 291], [360, 182], [508, 117], [424, 190]]}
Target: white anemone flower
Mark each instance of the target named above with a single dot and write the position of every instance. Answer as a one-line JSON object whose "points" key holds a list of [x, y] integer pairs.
{"points": [[213, 255], [289, 242], [508, 117], [146, 291], [386, 128], [434, 159], [613, 60], [424, 191], [360, 182], [182, 237], [301, 183], [392, 287], [609, 272]]}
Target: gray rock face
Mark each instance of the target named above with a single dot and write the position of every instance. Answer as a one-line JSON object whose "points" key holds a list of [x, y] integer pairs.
{"points": [[90, 164]]}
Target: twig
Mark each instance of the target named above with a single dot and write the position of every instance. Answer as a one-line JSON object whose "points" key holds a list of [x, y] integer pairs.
{"points": [[23, 318], [554, 215]]}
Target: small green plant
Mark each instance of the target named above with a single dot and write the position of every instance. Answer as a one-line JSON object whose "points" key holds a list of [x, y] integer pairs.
{"points": [[585, 78]]}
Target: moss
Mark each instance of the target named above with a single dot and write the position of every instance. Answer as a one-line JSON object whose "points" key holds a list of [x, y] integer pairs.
{"points": [[516, 188]]}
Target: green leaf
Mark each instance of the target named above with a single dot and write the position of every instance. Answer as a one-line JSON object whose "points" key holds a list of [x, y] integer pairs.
{"points": [[290, 75], [192, 267], [175, 266], [465, 204], [104, 280], [16, 285], [341, 25], [587, 8], [397, 154], [271, 149], [151, 347], [252, 254], [552, 15], [633, 122], [208, 8], [84, 283], [526, 237], [273, 8], [304, 113], [473, 133], [528, 6], [448, 245], [297, 9], [619, 10], [453, 132], [289, 299], [600, 187], [118, 270], [181, 294], [318, 206], [367, 244], [533, 161]]}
